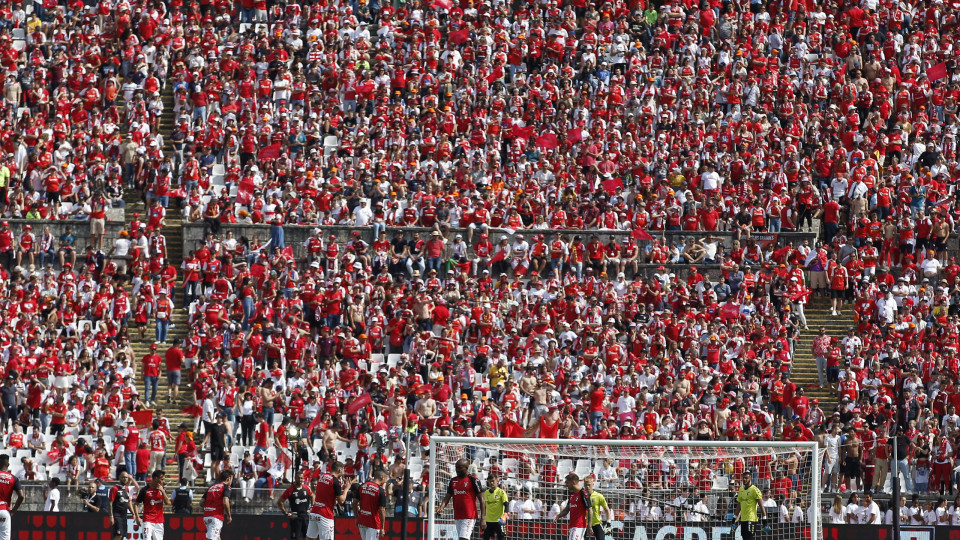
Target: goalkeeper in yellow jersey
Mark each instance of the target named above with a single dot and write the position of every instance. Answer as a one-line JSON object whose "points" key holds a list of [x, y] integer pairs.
{"points": [[602, 514], [748, 502], [496, 500]]}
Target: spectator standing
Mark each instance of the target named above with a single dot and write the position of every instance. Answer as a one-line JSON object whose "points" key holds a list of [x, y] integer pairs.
{"points": [[163, 311], [131, 443], [52, 502], [173, 358], [151, 375]]}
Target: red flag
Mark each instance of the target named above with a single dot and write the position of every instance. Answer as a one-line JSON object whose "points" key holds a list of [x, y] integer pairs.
{"points": [[611, 186], [142, 418], [574, 135], [288, 253], [284, 460], [443, 4], [358, 403], [548, 141], [498, 256], [730, 311], [53, 455], [270, 152], [459, 37], [495, 75], [192, 410], [522, 132], [313, 425], [640, 234], [937, 72]]}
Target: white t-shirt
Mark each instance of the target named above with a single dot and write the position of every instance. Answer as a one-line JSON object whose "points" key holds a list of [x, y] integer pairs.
{"points": [[53, 501], [870, 514]]}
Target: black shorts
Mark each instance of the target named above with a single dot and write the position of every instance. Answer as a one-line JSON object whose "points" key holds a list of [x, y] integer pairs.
{"points": [[852, 467], [493, 529], [53, 196], [298, 527], [838, 293], [120, 526], [217, 453], [598, 531], [748, 529]]}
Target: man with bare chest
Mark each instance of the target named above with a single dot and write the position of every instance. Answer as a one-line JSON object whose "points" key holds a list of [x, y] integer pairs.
{"points": [[527, 385], [852, 448], [396, 415], [426, 409]]}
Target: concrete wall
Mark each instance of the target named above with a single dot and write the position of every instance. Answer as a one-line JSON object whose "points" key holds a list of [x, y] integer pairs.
{"points": [[81, 228], [296, 235]]}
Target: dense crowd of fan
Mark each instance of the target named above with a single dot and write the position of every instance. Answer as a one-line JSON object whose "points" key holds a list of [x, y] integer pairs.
{"points": [[543, 149]]}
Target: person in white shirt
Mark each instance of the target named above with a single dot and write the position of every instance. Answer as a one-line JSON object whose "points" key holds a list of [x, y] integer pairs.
{"points": [[770, 503], [528, 509], [954, 512], [930, 516], [711, 180], [701, 512], [554, 510], [53, 497], [853, 509], [905, 513], [837, 511], [870, 514], [516, 505], [362, 214], [831, 459], [791, 511], [951, 420]]}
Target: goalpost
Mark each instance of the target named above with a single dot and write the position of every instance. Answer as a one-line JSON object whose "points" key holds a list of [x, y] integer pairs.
{"points": [[655, 489]]}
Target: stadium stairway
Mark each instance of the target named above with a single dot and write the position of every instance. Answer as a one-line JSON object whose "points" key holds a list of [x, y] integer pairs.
{"points": [[804, 372], [174, 236]]}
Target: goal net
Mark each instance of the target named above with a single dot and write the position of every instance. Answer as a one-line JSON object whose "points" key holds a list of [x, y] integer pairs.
{"points": [[654, 489]]}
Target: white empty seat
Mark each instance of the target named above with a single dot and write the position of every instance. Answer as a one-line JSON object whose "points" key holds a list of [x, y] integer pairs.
{"points": [[393, 360], [510, 466], [19, 33], [584, 467]]}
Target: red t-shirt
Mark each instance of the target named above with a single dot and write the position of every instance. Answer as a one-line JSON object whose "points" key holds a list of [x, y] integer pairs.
{"points": [[596, 400], [213, 500], [465, 493], [372, 499], [152, 501], [9, 484], [158, 440], [327, 489], [174, 358], [578, 503], [151, 365]]}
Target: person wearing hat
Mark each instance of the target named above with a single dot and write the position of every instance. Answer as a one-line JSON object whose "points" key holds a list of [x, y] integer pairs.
{"points": [[120, 251], [163, 310], [433, 251]]}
